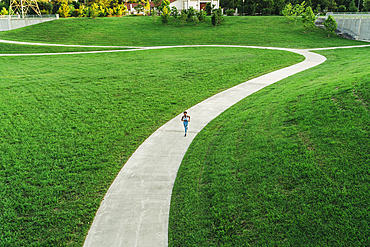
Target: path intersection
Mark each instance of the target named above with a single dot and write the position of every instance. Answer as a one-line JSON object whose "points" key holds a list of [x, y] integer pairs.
{"points": [[135, 210]]}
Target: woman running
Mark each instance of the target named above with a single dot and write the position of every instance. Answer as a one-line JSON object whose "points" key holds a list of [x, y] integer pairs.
{"points": [[185, 119]]}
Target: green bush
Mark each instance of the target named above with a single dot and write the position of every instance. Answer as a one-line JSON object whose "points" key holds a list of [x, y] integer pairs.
{"points": [[352, 7], [195, 19], [183, 16], [165, 16], [330, 25], [308, 18], [191, 13], [217, 17], [46, 6], [366, 5], [288, 12], [208, 8], [174, 12], [202, 15], [94, 10], [230, 12], [64, 10], [4, 12], [342, 8]]}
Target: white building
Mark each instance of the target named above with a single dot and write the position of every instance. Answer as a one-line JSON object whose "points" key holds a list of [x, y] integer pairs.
{"points": [[196, 4]]}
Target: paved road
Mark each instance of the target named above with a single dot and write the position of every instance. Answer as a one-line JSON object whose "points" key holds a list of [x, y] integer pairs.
{"points": [[135, 210]]}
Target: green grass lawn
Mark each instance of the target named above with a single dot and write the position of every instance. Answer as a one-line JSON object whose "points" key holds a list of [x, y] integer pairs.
{"points": [[287, 166], [23, 49], [69, 123], [141, 31]]}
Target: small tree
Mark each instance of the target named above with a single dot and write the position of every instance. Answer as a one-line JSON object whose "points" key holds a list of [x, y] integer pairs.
{"points": [[308, 18], [4, 11], [342, 8], [94, 10], [330, 25], [147, 8], [230, 12], [217, 17], [191, 13], [183, 16], [201, 15], [156, 7], [174, 12], [196, 20], [64, 10], [366, 5], [352, 7], [165, 16], [139, 8], [288, 12], [298, 10], [208, 8], [121, 9], [110, 12]]}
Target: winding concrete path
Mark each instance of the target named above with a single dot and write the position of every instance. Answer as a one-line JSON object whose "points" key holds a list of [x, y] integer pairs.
{"points": [[135, 210]]}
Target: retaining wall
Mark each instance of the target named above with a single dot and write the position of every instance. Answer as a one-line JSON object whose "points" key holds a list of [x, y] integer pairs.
{"points": [[357, 25], [10, 22]]}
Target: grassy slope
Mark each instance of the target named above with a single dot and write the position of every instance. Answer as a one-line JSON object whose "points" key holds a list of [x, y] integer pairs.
{"points": [[67, 129], [141, 31], [287, 166], [16, 49]]}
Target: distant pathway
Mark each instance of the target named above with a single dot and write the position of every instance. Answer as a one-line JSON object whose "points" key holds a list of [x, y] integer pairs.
{"points": [[135, 210]]}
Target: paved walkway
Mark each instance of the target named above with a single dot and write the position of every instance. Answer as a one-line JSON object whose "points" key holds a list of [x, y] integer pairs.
{"points": [[135, 210]]}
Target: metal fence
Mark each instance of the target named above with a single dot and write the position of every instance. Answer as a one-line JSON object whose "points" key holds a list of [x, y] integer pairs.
{"points": [[349, 15], [27, 16]]}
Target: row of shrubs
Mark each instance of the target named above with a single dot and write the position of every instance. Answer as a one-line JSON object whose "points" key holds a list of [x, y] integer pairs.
{"points": [[73, 8], [190, 14], [94, 10]]}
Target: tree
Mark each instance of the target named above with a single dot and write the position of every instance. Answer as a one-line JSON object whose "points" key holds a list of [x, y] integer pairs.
{"points": [[298, 10], [201, 15], [139, 8], [352, 7], [94, 10], [165, 16], [288, 12], [156, 3], [330, 25], [308, 18], [342, 8], [64, 9], [367, 5], [4, 11], [217, 17], [208, 8], [196, 20], [183, 16], [191, 13], [147, 8], [174, 12], [156, 7]]}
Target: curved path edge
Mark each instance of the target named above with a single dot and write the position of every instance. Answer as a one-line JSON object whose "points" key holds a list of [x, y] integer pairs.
{"points": [[135, 210]]}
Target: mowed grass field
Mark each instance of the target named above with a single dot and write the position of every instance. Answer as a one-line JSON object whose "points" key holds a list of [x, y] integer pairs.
{"points": [[69, 122], [6, 48], [272, 31], [286, 166]]}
